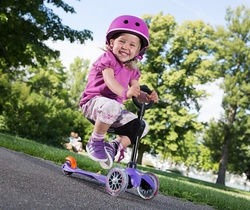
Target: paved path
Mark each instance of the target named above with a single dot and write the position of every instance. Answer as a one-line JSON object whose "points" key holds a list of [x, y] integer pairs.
{"points": [[27, 183]]}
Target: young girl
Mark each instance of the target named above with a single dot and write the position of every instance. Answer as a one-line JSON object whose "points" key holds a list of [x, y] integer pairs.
{"points": [[113, 79]]}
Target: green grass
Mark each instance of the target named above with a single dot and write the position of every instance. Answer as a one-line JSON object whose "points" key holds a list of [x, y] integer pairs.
{"points": [[171, 184]]}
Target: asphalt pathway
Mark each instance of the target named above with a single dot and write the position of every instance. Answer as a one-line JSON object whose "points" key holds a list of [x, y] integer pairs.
{"points": [[27, 183]]}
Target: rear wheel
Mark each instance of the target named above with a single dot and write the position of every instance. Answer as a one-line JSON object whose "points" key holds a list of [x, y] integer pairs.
{"points": [[117, 181], [145, 190]]}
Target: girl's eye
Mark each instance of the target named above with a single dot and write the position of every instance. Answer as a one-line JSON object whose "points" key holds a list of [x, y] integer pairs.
{"points": [[121, 41]]}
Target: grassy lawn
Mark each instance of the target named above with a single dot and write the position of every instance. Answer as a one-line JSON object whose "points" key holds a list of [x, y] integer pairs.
{"points": [[171, 184]]}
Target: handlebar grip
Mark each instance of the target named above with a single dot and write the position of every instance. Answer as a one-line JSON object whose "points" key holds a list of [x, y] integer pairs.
{"points": [[144, 88]]}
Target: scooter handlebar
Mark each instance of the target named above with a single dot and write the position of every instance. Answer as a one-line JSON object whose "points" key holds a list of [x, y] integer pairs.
{"points": [[144, 88]]}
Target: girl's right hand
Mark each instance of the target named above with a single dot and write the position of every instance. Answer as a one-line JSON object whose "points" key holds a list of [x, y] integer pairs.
{"points": [[134, 90]]}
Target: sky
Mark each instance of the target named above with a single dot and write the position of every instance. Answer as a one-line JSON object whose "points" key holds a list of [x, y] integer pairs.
{"points": [[96, 16]]}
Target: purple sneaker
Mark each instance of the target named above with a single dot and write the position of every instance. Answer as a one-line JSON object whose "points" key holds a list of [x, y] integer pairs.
{"points": [[110, 151], [96, 150]]}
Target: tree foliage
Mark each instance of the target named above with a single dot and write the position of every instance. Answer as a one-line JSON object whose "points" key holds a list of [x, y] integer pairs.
{"points": [[176, 62], [39, 106], [34, 100], [76, 82], [77, 79], [25, 25]]}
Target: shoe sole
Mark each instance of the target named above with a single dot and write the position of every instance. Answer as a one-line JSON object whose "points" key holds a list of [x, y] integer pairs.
{"points": [[109, 163]]}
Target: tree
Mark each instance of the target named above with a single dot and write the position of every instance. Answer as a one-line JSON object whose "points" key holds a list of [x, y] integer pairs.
{"points": [[176, 62], [48, 80], [77, 79], [76, 82], [188, 151], [210, 150], [233, 63], [40, 108], [25, 25]]}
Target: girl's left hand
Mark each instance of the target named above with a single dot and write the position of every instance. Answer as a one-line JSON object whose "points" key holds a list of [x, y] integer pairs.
{"points": [[153, 96]]}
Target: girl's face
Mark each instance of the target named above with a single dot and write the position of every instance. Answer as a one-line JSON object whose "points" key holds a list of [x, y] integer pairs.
{"points": [[126, 46]]}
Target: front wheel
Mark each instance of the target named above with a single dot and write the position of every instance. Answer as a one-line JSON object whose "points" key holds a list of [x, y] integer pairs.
{"points": [[116, 181], [145, 190], [71, 162]]}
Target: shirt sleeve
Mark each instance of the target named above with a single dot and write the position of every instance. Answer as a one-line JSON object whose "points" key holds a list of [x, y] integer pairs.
{"points": [[107, 60], [136, 75]]}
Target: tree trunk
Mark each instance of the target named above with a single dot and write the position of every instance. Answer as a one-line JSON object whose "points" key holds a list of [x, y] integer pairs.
{"points": [[141, 150], [187, 171], [225, 147], [139, 157], [223, 161]]}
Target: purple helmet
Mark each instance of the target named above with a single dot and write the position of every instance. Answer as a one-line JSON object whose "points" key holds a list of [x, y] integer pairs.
{"points": [[130, 24]]}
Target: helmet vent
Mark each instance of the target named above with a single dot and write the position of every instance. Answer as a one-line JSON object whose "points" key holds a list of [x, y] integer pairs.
{"points": [[137, 24], [126, 21]]}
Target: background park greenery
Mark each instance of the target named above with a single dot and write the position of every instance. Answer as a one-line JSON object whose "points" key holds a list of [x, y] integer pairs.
{"points": [[39, 96]]}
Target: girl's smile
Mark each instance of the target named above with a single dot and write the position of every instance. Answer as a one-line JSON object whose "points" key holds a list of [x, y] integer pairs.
{"points": [[126, 46]]}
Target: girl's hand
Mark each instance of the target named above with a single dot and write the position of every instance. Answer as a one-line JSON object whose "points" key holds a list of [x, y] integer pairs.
{"points": [[153, 96], [134, 90]]}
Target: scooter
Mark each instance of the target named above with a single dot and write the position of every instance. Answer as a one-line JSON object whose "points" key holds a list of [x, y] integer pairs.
{"points": [[119, 179]]}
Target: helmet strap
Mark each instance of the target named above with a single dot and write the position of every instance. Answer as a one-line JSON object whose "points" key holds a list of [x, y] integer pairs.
{"points": [[129, 60], [139, 57]]}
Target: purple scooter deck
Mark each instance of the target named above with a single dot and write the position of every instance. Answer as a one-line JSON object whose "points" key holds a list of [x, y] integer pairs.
{"points": [[99, 177]]}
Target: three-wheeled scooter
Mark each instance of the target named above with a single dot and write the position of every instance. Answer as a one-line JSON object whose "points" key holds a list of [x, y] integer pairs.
{"points": [[119, 179]]}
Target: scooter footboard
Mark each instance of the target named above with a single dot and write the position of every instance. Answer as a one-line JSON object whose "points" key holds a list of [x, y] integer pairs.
{"points": [[96, 176]]}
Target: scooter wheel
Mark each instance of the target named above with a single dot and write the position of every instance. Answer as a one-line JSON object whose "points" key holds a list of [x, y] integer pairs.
{"points": [[71, 162], [116, 181], [67, 173], [145, 190]]}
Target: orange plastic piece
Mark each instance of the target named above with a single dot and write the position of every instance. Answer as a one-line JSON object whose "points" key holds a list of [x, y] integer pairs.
{"points": [[72, 161]]}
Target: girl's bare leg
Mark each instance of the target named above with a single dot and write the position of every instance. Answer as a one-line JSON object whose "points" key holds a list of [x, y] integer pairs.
{"points": [[101, 128]]}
